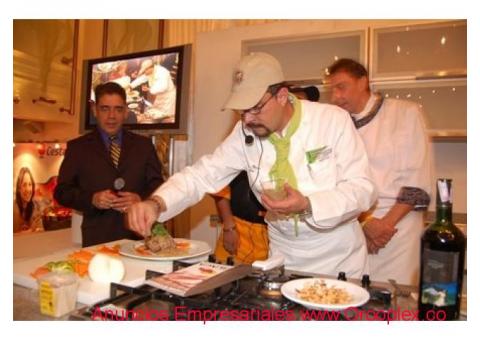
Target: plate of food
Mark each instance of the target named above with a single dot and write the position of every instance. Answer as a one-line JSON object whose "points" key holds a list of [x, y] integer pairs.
{"points": [[160, 246], [325, 294]]}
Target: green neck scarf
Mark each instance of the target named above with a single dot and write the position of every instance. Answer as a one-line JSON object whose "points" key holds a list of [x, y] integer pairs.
{"points": [[282, 167]]}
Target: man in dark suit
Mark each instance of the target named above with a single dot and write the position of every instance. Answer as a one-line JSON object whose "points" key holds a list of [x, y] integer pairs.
{"points": [[97, 160]]}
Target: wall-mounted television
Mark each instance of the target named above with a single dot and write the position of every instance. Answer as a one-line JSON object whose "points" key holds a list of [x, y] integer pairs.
{"points": [[156, 83]]}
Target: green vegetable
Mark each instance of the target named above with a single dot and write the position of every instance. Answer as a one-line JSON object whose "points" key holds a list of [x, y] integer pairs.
{"points": [[158, 229], [60, 266]]}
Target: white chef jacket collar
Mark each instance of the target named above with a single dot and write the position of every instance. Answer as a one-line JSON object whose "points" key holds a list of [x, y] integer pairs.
{"points": [[366, 110]]}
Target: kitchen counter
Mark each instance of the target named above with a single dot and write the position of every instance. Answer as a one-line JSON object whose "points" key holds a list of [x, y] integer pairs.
{"points": [[28, 245], [26, 304], [26, 300], [88, 292]]}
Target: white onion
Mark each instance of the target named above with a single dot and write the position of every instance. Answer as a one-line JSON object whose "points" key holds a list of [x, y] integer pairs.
{"points": [[104, 268]]}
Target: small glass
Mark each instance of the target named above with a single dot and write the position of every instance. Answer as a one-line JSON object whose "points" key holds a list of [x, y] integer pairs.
{"points": [[275, 189]]}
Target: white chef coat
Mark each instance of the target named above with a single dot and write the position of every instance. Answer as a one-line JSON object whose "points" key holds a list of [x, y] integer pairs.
{"points": [[122, 81], [399, 153], [338, 185], [162, 87]]}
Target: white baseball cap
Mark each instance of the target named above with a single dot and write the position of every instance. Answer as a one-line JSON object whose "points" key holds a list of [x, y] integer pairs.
{"points": [[251, 79], [146, 64]]}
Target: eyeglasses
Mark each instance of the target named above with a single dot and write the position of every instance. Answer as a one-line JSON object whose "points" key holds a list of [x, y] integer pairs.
{"points": [[254, 111]]}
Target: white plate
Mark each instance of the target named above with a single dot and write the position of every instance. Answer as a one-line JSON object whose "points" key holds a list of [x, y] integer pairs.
{"points": [[197, 248], [359, 295]]}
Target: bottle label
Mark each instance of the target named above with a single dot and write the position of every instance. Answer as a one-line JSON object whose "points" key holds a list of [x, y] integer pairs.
{"points": [[439, 279]]}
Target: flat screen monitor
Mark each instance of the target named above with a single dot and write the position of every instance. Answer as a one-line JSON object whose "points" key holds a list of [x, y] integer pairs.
{"points": [[156, 83]]}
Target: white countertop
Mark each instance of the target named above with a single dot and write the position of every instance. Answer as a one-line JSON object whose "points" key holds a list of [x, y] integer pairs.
{"points": [[89, 292], [32, 244]]}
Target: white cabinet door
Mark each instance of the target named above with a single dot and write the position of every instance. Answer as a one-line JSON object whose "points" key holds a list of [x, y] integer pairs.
{"points": [[307, 57], [425, 63], [444, 104], [419, 51]]}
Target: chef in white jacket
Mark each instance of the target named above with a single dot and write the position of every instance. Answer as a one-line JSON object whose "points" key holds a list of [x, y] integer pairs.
{"points": [[314, 146], [397, 145], [160, 85]]}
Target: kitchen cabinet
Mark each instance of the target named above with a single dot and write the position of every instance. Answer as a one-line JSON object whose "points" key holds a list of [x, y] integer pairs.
{"points": [[419, 51], [425, 63], [304, 59], [44, 58], [129, 36], [444, 104]]}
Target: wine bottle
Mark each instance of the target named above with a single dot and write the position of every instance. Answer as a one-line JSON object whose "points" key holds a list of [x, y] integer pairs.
{"points": [[442, 260]]}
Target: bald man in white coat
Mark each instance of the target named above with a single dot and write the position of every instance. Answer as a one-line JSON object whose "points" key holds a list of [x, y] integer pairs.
{"points": [[397, 145]]}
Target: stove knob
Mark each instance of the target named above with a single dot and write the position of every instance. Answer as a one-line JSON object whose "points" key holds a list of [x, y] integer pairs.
{"points": [[365, 281], [212, 258], [342, 276], [230, 261]]}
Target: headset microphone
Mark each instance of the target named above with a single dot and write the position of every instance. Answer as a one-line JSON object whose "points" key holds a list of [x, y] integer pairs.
{"points": [[248, 138]]}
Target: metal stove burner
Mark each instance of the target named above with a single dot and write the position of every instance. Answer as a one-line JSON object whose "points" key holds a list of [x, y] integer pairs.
{"points": [[262, 275], [271, 285]]}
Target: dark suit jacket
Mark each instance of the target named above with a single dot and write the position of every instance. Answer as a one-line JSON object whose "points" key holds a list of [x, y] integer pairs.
{"points": [[88, 168]]}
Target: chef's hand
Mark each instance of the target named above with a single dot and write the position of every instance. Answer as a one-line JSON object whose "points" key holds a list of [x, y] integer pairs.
{"points": [[230, 241], [379, 232], [294, 203], [124, 200], [371, 247], [103, 199], [141, 215]]}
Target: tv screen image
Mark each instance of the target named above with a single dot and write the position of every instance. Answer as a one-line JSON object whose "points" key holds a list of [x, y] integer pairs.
{"points": [[156, 84]]}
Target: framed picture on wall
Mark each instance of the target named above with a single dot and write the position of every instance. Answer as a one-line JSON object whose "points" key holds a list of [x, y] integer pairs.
{"points": [[156, 83]]}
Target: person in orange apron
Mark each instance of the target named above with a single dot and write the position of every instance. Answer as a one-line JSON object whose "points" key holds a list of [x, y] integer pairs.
{"points": [[244, 233]]}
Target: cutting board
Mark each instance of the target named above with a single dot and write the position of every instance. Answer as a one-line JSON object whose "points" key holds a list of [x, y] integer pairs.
{"points": [[90, 292]]}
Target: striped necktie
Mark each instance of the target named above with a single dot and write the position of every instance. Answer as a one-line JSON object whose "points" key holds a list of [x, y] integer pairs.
{"points": [[114, 150]]}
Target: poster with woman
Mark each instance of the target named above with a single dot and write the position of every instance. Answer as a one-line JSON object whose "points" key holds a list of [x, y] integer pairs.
{"points": [[35, 171]]}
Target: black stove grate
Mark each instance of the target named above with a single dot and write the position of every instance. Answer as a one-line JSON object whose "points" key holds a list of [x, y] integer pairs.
{"points": [[134, 303]]}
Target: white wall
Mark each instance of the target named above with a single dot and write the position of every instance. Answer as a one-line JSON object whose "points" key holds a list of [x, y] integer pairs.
{"points": [[215, 56], [451, 162]]}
